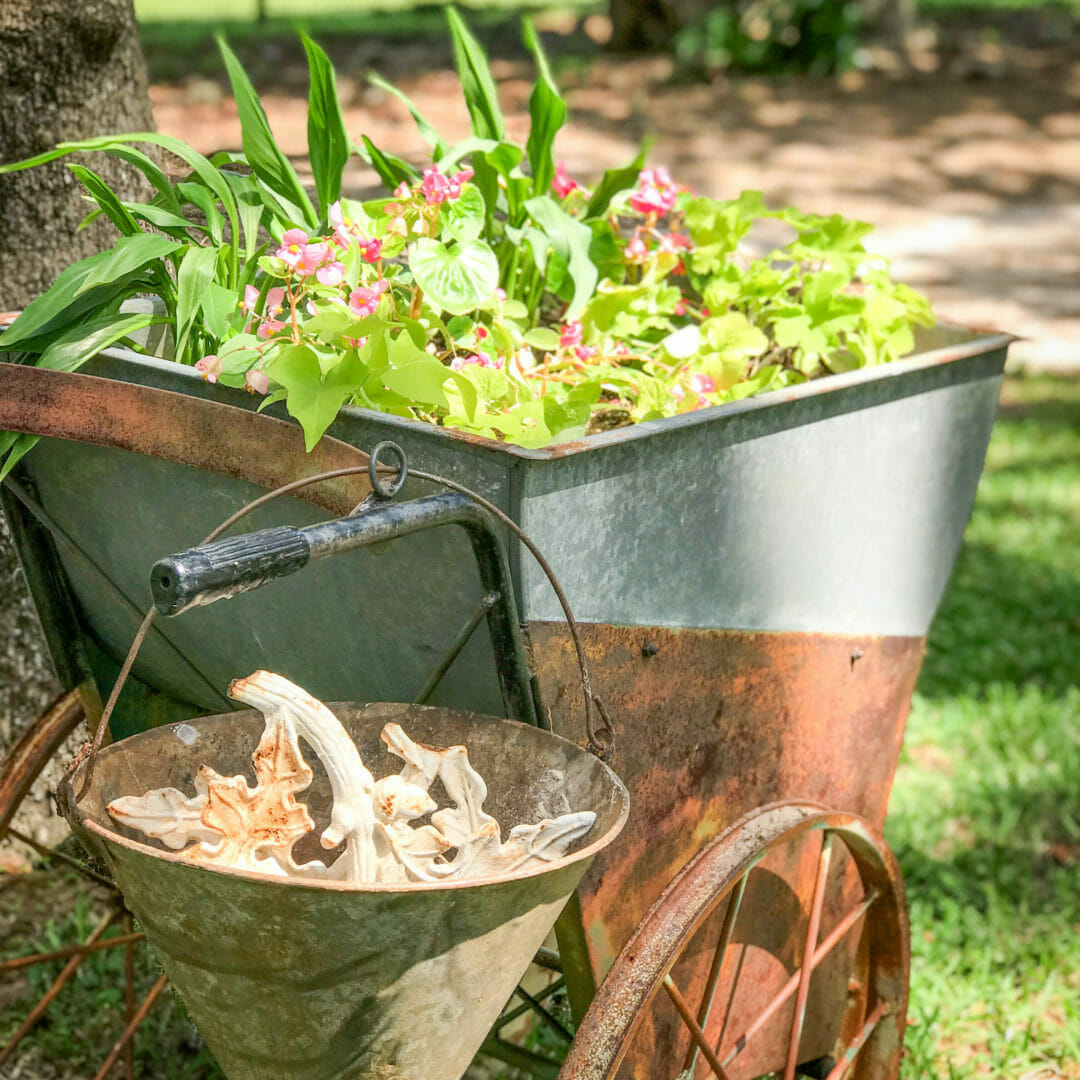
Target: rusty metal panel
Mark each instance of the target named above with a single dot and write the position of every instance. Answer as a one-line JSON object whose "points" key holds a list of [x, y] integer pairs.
{"points": [[709, 725]]}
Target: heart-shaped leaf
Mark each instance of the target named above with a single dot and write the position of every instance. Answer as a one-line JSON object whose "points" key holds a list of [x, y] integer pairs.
{"points": [[456, 279]]}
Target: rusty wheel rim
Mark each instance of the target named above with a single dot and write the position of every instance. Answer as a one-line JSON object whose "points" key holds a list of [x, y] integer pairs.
{"points": [[39, 744], [682, 968]]}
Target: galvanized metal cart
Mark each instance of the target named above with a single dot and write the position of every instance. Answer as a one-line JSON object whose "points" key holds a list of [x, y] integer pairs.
{"points": [[753, 586]]}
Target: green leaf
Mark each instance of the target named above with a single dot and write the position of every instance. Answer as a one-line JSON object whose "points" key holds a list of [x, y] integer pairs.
{"points": [[55, 308], [312, 398], [263, 154], [414, 374], [571, 239], [542, 338], [21, 446], [612, 182], [328, 144], [547, 111], [106, 198], [175, 224], [81, 343], [462, 219], [427, 132], [128, 255], [477, 84], [456, 279], [392, 170], [202, 198], [196, 272]]}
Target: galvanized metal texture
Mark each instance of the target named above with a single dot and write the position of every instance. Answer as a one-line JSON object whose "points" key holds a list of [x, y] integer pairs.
{"points": [[711, 724], [629, 1025], [298, 981]]}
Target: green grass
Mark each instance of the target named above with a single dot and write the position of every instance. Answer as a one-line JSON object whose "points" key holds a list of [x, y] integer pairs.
{"points": [[985, 814]]}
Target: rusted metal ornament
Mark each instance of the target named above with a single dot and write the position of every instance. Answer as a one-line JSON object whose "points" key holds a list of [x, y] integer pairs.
{"points": [[323, 980]]}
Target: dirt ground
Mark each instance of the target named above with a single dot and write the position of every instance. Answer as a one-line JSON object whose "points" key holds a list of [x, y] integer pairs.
{"points": [[968, 161]]}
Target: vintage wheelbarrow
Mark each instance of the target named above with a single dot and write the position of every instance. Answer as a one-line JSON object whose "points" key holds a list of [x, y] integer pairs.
{"points": [[775, 939]]}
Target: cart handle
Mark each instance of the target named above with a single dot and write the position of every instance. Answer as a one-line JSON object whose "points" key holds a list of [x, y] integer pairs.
{"points": [[234, 565]]}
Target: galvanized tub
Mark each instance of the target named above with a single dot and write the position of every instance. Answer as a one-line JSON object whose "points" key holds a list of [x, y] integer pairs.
{"points": [[297, 981], [756, 583]]}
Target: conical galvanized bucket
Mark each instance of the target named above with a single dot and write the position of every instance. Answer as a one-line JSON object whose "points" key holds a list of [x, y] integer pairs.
{"points": [[291, 980]]}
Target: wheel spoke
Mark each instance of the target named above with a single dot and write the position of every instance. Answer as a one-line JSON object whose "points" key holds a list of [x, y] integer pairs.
{"points": [[129, 997], [856, 1044], [534, 1004], [809, 949], [70, 950], [130, 1029], [58, 984], [59, 856], [823, 950], [696, 1033], [726, 930]]}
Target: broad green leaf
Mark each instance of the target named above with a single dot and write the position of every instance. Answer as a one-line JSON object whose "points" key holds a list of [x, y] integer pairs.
{"points": [[107, 200], [263, 154], [462, 218], [456, 279], [481, 97], [392, 170], [328, 144], [56, 308], [72, 349], [427, 132], [197, 269], [21, 446], [547, 111], [612, 182], [421, 382], [128, 255], [312, 398], [175, 224], [571, 239], [542, 338], [249, 207]]}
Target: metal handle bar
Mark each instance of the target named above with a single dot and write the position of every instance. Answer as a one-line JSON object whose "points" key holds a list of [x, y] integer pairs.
{"points": [[225, 568]]}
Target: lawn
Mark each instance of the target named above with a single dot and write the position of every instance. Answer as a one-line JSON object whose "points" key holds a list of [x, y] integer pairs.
{"points": [[985, 814]]}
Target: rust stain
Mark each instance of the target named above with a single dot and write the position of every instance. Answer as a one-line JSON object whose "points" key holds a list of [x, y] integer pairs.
{"points": [[715, 724], [176, 427]]}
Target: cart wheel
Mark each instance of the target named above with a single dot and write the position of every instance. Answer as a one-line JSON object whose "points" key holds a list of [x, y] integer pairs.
{"points": [[41, 742], [715, 981]]}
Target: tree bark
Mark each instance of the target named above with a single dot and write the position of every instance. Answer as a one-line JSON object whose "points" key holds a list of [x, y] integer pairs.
{"points": [[651, 25], [69, 69]]}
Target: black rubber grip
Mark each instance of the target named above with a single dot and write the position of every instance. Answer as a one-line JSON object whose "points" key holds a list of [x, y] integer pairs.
{"points": [[204, 574]]}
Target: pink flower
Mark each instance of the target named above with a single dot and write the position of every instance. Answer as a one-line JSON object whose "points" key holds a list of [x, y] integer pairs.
{"points": [[292, 246], [680, 308], [274, 299], [562, 185], [365, 301], [656, 192], [481, 333], [481, 359], [312, 256], [371, 250], [268, 327], [402, 191], [702, 384], [677, 392], [500, 294], [636, 251], [331, 274], [438, 187], [209, 367], [585, 352], [251, 298], [256, 381], [570, 334], [675, 241]]}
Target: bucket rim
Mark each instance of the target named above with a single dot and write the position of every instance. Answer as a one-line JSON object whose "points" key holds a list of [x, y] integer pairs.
{"points": [[588, 852]]}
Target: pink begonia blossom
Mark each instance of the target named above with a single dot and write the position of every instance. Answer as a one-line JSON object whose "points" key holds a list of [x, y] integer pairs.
{"points": [[365, 301], [500, 294], [675, 241], [292, 246], [312, 256], [680, 308], [371, 250], [481, 333], [563, 184], [480, 358], [702, 384], [251, 298], [209, 367], [402, 191], [585, 352], [705, 312], [332, 274], [656, 192], [311, 308], [437, 187], [268, 327], [570, 334], [636, 251], [274, 299], [257, 381]]}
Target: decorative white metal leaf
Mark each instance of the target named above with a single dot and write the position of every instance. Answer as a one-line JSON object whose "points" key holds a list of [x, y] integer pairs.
{"points": [[237, 826]]}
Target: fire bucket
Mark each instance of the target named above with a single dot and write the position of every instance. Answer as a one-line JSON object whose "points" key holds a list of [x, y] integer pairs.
{"points": [[298, 980]]}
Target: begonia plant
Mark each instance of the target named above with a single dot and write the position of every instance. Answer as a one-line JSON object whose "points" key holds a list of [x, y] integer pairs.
{"points": [[487, 291]]}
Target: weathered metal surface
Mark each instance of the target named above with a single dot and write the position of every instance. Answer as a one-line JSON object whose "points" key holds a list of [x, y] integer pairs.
{"points": [[709, 725], [630, 1025], [296, 981], [173, 427]]}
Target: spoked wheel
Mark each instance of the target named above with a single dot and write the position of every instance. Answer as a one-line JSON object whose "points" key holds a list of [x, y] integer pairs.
{"points": [[781, 950], [111, 924]]}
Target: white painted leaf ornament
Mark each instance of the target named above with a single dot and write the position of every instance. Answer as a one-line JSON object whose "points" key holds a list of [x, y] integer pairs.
{"points": [[230, 824]]}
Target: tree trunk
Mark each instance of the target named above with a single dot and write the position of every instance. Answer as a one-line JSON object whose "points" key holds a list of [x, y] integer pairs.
{"points": [[68, 69], [651, 25]]}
